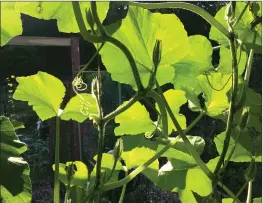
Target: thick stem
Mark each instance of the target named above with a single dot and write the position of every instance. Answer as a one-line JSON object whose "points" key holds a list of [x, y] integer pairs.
{"points": [[163, 112], [130, 58], [82, 27], [231, 107], [167, 141], [105, 38], [93, 6], [241, 102], [195, 9], [121, 109], [57, 150], [101, 129], [132, 175], [189, 146], [241, 14]]}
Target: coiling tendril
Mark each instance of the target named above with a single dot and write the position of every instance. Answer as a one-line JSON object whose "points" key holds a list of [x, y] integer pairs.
{"points": [[79, 85]]}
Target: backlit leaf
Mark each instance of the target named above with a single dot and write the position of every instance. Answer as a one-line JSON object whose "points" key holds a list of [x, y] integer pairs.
{"points": [[242, 28], [138, 32], [11, 24], [197, 61], [75, 108], [42, 91], [243, 151], [134, 120], [62, 12], [215, 86], [183, 180], [225, 64]]}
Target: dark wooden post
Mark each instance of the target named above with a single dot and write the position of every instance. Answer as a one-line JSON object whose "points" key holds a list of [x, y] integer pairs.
{"points": [[75, 60]]}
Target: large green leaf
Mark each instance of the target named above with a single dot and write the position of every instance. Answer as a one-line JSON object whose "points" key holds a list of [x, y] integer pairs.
{"points": [[215, 86], [175, 99], [138, 32], [242, 28], [15, 183], [80, 176], [184, 179], [42, 91], [138, 149], [62, 12], [11, 24], [80, 107], [243, 150], [197, 61], [134, 120], [225, 65]]}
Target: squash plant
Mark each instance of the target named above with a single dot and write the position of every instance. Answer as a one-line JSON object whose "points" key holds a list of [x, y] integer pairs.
{"points": [[147, 50]]}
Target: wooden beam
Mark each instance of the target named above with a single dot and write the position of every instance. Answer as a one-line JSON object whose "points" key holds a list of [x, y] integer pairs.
{"points": [[40, 41]]}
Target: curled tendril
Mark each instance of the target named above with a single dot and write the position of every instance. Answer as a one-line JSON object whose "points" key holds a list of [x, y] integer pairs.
{"points": [[78, 86], [84, 107]]}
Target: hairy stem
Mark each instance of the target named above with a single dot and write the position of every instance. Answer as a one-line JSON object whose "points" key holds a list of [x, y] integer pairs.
{"points": [[231, 107], [57, 151], [96, 17], [82, 27], [199, 11], [101, 129], [232, 151]]}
